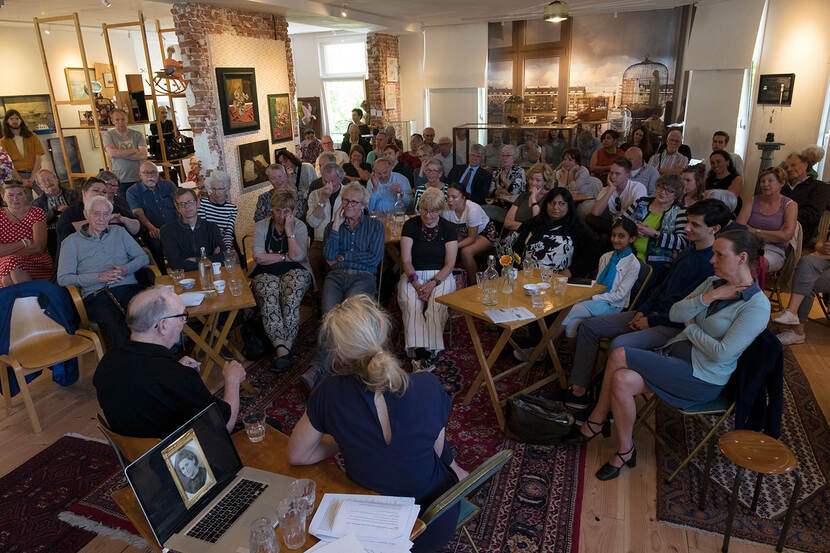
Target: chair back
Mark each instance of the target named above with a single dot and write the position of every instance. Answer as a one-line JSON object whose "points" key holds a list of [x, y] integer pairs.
{"points": [[643, 276], [592, 186], [30, 324], [496, 213], [127, 448], [476, 478]]}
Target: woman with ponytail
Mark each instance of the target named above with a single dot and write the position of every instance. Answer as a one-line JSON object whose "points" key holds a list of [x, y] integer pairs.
{"points": [[389, 425]]}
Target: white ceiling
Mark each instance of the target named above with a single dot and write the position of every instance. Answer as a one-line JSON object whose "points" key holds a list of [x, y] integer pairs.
{"points": [[90, 12]]}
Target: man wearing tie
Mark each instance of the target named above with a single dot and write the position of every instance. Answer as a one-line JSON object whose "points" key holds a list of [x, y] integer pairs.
{"points": [[476, 179]]}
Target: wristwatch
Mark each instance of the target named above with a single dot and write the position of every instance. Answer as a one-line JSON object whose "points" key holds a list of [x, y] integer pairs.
{"points": [[292, 235]]}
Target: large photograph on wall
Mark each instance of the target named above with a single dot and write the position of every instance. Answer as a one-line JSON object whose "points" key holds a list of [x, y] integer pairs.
{"points": [[237, 99], [279, 117], [35, 109]]}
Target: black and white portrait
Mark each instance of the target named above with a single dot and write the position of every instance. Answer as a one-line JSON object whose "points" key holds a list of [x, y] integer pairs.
{"points": [[189, 468]]}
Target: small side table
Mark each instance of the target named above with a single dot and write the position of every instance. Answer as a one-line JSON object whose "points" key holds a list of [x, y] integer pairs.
{"points": [[761, 454]]}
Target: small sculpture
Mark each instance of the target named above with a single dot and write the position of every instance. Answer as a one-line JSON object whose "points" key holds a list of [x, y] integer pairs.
{"points": [[172, 67]]}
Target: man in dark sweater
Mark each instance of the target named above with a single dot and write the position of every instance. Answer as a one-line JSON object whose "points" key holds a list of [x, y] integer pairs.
{"points": [[144, 389], [184, 238], [810, 194], [647, 325]]}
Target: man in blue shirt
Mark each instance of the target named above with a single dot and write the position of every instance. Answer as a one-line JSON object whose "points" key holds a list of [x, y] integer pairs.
{"points": [[353, 248], [151, 200], [647, 324], [384, 186], [476, 179]]}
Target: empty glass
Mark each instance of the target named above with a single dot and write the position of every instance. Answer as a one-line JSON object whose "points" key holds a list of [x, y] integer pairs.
{"points": [[230, 260], [176, 275], [304, 490], [263, 539], [547, 274], [235, 286], [560, 284], [529, 269], [537, 299], [255, 426], [291, 514]]}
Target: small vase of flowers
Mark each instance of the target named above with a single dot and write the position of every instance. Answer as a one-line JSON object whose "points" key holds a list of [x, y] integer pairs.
{"points": [[507, 259]]}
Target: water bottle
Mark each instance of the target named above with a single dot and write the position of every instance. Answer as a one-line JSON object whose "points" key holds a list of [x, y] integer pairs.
{"points": [[490, 283], [399, 213], [205, 272]]}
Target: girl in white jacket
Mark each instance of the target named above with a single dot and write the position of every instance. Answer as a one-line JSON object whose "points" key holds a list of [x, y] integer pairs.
{"points": [[618, 271]]}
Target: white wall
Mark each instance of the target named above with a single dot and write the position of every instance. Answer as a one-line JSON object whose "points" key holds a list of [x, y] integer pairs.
{"points": [[712, 104], [307, 67], [411, 56]]}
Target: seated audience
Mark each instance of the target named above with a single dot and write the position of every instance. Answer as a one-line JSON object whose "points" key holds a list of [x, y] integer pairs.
{"points": [[355, 136], [433, 169], [101, 260], [661, 225], [572, 175], [529, 152], [618, 271], [53, 201], [587, 144], [429, 139], [185, 238], [300, 174], [282, 275], [813, 154], [391, 152], [278, 179], [119, 202], [556, 239], [659, 128], [640, 171], [391, 137], [728, 199], [670, 160], [356, 411], [720, 141], [353, 248], [509, 181], [615, 198], [772, 217], [73, 217], [385, 186], [723, 176], [475, 178], [492, 151], [23, 254], [647, 325], [694, 186], [151, 200], [340, 157], [420, 176], [476, 232], [379, 142], [310, 147], [356, 169], [526, 206], [641, 138], [555, 147], [722, 317], [429, 245], [411, 158], [810, 194], [602, 158], [323, 203], [215, 207], [444, 155], [147, 391]]}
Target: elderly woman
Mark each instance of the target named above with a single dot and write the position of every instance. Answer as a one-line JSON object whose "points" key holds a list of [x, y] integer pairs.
{"points": [[217, 207], [419, 177], [356, 169], [723, 175], [694, 187], [539, 181], [572, 175], [352, 138], [374, 413], [661, 224], [509, 181], [476, 232], [722, 317], [813, 153], [279, 180], [772, 217], [282, 274], [23, 254], [433, 168], [429, 245]]}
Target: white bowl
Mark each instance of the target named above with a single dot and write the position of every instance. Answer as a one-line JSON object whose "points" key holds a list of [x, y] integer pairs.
{"points": [[187, 283], [531, 289]]}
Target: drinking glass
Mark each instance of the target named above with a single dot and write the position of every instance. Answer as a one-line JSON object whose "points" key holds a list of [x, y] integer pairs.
{"points": [[291, 514], [480, 277], [547, 275], [559, 285], [529, 267], [177, 275], [255, 426], [235, 286], [230, 260], [263, 538], [304, 490], [537, 299]]}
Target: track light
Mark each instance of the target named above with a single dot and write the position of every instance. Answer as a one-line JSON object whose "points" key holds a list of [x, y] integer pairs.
{"points": [[106, 3], [556, 12]]}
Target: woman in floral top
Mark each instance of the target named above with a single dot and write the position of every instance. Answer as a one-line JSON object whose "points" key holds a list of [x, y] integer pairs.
{"points": [[510, 181]]}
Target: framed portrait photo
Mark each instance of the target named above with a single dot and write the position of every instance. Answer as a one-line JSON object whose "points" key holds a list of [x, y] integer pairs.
{"points": [[279, 117], [253, 161], [189, 468], [237, 99]]}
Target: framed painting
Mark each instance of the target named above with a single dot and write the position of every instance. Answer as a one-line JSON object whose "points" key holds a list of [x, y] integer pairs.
{"points": [[279, 117], [189, 468], [308, 112], [253, 161], [35, 109], [237, 99], [72, 152], [776, 89], [75, 83]]}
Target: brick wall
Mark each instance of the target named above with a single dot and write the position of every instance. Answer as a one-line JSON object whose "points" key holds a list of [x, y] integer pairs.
{"points": [[379, 48]]}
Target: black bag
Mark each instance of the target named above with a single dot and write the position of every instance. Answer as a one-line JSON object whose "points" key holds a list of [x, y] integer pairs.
{"points": [[256, 343], [535, 420]]}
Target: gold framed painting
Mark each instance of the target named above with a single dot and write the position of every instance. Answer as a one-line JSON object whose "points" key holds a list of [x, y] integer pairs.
{"points": [[189, 468], [76, 84]]}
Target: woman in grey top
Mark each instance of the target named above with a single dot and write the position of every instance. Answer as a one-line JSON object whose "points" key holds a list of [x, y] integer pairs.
{"points": [[282, 275]]}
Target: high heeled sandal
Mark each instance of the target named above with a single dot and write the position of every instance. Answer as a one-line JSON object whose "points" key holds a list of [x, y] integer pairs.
{"points": [[609, 471], [577, 437]]}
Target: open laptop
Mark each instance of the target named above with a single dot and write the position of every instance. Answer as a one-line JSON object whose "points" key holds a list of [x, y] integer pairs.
{"points": [[195, 492]]}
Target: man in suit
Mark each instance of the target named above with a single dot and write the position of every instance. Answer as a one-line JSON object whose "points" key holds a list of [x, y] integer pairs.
{"points": [[473, 176]]}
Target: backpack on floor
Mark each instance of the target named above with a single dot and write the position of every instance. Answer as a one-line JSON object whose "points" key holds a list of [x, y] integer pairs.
{"points": [[535, 420]]}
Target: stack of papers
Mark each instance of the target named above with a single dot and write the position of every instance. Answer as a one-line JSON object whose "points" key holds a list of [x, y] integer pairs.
{"points": [[346, 544], [381, 524], [509, 314]]}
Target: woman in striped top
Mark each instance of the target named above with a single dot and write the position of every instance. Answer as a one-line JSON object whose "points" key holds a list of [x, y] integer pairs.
{"points": [[217, 209]]}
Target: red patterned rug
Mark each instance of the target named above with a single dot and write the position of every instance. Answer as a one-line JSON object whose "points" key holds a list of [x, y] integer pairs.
{"points": [[804, 430]]}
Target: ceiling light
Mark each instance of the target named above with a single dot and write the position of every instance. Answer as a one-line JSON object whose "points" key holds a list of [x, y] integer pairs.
{"points": [[556, 12], [106, 3], [343, 12]]}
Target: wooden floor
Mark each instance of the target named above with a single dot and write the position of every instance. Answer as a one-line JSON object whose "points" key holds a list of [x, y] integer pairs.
{"points": [[617, 517]]}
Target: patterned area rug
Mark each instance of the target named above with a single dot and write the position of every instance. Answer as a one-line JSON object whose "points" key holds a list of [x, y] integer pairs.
{"points": [[804, 430]]}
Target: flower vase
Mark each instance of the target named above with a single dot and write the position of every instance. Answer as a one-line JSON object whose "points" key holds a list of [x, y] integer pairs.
{"points": [[508, 284]]}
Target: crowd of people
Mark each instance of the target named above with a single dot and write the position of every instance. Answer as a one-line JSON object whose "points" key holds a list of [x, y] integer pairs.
{"points": [[608, 210]]}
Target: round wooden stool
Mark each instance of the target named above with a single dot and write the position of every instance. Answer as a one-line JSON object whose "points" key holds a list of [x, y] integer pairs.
{"points": [[763, 455]]}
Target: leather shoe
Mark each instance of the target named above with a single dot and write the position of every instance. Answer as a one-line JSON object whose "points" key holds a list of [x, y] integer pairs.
{"points": [[609, 471]]}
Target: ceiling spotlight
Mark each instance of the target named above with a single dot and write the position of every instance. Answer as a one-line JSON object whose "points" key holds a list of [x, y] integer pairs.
{"points": [[343, 12], [106, 3], [556, 12]]}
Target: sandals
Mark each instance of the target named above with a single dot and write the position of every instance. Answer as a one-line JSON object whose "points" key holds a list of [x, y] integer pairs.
{"points": [[577, 437], [609, 471]]}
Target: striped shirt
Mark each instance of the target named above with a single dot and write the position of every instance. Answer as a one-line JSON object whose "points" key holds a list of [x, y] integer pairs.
{"points": [[224, 216], [361, 248]]}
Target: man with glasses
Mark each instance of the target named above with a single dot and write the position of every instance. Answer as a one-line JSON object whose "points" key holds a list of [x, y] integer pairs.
{"points": [[151, 200], [340, 157], [353, 248], [385, 185], [144, 389], [184, 238]]}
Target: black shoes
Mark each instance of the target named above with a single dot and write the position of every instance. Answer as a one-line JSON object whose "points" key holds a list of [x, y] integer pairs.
{"points": [[577, 437], [283, 362], [609, 471]]}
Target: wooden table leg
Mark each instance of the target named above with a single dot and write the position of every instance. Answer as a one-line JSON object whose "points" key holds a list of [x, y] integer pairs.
{"points": [[485, 363], [207, 325]]}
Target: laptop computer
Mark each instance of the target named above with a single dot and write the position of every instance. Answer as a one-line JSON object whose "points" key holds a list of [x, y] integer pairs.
{"points": [[195, 492]]}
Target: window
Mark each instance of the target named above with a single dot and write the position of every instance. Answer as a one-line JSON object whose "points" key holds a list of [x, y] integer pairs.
{"points": [[343, 71]]}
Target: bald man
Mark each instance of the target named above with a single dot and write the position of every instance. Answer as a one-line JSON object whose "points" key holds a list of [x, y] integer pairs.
{"points": [[670, 160], [151, 200], [641, 172], [429, 139], [144, 389]]}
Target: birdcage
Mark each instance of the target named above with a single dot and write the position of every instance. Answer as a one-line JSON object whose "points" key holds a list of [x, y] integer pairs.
{"points": [[645, 84], [514, 109]]}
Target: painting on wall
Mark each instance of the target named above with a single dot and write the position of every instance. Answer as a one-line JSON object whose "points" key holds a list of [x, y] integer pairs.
{"points": [[237, 99], [76, 84], [253, 161], [776, 89], [72, 152], [35, 109], [308, 111], [279, 117]]}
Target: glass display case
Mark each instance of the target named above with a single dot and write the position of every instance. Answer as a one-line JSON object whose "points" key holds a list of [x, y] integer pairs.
{"points": [[553, 139]]}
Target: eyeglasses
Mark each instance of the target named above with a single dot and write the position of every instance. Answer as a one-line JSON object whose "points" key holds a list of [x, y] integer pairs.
{"points": [[186, 204], [618, 203], [172, 317], [347, 203]]}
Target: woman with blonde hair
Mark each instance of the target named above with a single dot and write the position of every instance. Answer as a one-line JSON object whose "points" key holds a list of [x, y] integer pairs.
{"points": [[388, 425], [540, 179]]}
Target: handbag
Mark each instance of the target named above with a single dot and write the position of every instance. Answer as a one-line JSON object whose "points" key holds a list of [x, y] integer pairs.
{"points": [[536, 420]]}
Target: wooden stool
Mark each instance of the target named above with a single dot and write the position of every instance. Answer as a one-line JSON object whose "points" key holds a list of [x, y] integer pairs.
{"points": [[763, 455]]}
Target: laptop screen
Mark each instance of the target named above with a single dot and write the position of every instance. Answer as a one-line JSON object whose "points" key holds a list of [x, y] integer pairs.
{"points": [[188, 469]]}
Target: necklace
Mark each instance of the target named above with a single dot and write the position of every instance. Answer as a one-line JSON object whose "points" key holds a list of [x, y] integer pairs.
{"points": [[429, 234], [15, 218]]}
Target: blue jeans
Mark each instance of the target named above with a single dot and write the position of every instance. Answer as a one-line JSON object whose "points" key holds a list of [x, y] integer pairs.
{"points": [[585, 310]]}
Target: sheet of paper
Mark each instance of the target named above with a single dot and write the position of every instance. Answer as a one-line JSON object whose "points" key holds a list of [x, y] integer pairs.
{"points": [[346, 544], [509, 314], [370, 520], [323, 523], [192, 299]]}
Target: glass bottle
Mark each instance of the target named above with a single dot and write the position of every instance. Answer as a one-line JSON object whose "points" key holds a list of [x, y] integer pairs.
{"points": [[399, 212], [205, 272], [488, 285]]}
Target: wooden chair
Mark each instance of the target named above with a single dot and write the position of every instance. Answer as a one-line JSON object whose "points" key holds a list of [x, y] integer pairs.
{"points": [[248, 253], [127, 448], [780, 280], [462, 490], [37, 342]]}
